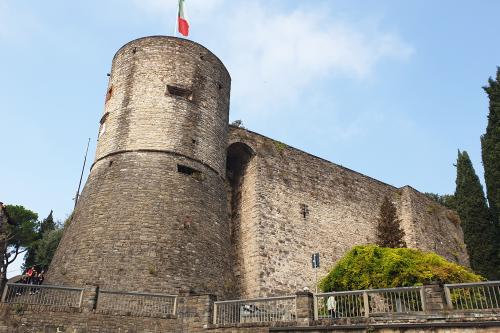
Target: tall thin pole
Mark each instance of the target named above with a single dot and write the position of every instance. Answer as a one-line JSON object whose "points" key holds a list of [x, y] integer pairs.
{"points": [[81, 175], [176, 20], [316, 279]]}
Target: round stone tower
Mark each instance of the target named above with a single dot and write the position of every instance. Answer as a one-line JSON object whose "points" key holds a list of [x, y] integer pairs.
{"points": [[153, 213]]}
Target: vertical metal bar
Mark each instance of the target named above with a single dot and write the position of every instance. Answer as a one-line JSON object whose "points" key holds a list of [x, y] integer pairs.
{"points": [[495, 293], [353, 305], [482, 293], [402, 301], [174, 310], [475, 297], [390, 302], [467, 298], [360, 302], [489, 298]]}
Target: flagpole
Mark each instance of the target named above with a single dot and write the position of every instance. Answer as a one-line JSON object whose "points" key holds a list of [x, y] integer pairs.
{"points": [[81, 176], [176, 20]]}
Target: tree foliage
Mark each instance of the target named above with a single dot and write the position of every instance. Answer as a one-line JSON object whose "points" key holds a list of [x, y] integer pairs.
{"points": [[447, 200], [19, 235], [479, 231], [372, 267], [47, 224], [42, 250], [490, 147], [389, 232], [45, 248]]}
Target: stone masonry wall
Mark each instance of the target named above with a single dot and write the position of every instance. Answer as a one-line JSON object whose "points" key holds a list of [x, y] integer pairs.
{"points": [[140, 113], [340, 207], [141, 225], [431, 226]]}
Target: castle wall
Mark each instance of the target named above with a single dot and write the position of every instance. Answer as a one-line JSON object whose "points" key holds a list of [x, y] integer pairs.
{"points": [[431, 226], [340, 206], [152, 215]]}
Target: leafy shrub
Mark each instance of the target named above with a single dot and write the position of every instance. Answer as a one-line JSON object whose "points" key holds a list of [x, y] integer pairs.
{"points": [[373, 267]]}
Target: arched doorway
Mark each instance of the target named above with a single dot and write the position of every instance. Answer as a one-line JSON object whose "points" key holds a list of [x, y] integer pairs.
{"points": [[240, 195]]}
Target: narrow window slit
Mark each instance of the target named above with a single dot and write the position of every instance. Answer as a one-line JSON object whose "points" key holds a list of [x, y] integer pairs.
{"points": [[109, 93], [304, 210]]}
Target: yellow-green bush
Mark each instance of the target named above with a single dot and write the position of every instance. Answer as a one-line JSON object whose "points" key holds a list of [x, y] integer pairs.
{"points": [[373, 267]]}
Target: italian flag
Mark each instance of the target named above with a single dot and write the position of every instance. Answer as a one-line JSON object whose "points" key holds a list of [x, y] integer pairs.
{"points": [[183, 23]]}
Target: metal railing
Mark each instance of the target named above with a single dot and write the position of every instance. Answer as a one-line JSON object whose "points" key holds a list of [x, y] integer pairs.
{"points": [[256, 310], [366, 303], [140, 304], [18, 293], [473, 296]]}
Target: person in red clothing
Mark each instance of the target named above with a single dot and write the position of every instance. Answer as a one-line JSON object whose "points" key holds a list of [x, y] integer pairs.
{"points": [[29, 274]]}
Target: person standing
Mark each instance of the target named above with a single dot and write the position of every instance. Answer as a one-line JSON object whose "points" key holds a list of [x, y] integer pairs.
{"points": [[331, 305]]}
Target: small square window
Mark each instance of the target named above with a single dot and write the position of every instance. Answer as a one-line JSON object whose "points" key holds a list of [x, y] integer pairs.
{"points": [[180, 92], [198, 175]]}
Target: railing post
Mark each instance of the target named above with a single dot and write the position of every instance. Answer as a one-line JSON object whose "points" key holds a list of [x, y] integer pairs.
{"points": [[447, 296], [88, 298], [174, 312], [315, 304], [432, 298], [215, 313], [4, 294], [197, 312], [304, 307], [423, 299], [366, 304]]}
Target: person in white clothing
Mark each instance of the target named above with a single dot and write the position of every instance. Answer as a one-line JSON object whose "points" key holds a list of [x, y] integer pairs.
{"points": [[331, 305]]}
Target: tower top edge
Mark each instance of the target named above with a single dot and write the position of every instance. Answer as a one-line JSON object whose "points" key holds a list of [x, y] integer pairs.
{"points": [[170, 38]]}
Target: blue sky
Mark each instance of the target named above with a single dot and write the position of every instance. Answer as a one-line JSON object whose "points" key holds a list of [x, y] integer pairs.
{"points": [[388, 88]]}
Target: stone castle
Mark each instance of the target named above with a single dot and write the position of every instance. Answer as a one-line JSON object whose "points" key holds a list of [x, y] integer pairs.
{"points": [[178, 201]]}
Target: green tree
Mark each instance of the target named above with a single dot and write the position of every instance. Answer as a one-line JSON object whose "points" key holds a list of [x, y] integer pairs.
{"points": [[475, 216], [389, 232], [373, 267], [46, 225], [19, 236], [447, 200], [46, 247], [490, 147]]}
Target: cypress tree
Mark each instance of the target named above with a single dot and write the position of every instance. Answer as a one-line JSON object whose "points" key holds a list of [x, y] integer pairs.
{"points": [[389, 232], [476, 219], [46, 226], [490, 146]]}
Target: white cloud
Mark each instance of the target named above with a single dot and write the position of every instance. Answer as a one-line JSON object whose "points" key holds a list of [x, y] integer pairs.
{"points": [[275, 54]]}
